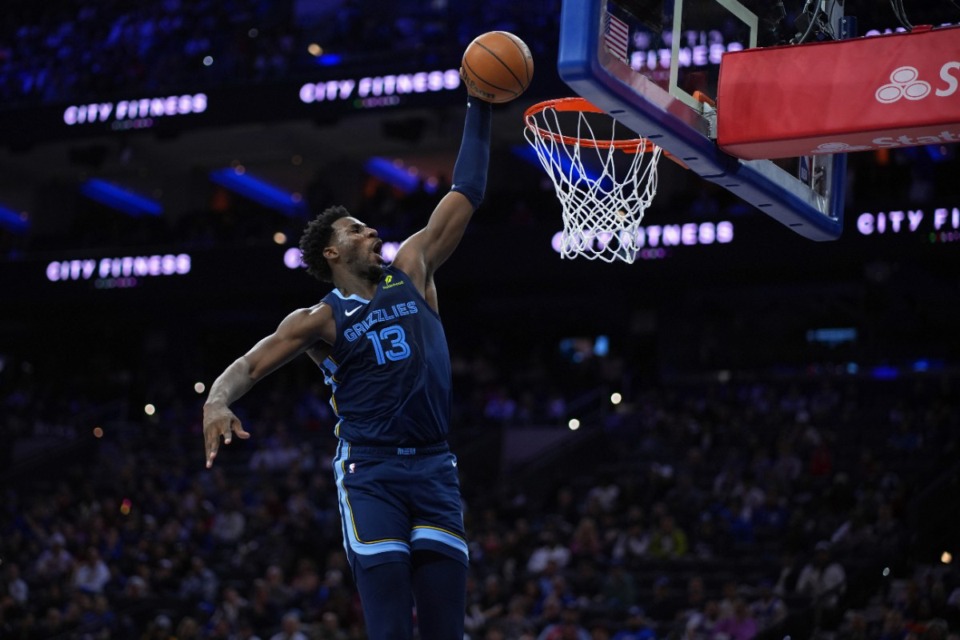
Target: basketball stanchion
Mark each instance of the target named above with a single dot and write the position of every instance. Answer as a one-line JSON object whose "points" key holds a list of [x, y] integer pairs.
{"points": [[604, 184]]}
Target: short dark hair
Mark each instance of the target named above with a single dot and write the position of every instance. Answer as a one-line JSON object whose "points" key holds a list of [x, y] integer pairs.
{"points": [[316, 238]]}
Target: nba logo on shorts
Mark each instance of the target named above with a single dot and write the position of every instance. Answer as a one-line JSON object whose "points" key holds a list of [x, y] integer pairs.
{"points": [[352, 467]]}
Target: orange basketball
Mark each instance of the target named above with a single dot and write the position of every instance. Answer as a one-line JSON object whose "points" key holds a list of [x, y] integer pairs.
{"points": [[497, 66]]}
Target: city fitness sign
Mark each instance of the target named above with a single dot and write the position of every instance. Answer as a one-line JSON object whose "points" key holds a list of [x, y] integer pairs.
{"points": [[943, 223], [380, 88], [125, 113], [120, 272]]}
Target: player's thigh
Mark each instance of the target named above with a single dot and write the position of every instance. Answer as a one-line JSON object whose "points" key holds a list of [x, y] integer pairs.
{"points": [[375, 516], [438, 508]]}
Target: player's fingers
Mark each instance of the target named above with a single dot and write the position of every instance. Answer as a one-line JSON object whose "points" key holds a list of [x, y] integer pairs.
{"points": [[239, 430], [212, 445], [211, 437]]}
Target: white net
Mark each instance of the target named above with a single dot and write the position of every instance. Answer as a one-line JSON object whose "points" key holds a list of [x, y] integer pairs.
{"points": [[604, 185]]}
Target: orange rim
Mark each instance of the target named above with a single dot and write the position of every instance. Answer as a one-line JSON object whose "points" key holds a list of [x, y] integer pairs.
{"points": [[582, 105]]}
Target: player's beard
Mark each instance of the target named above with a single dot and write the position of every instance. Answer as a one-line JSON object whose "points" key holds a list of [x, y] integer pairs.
{"points": [[373, 273]]}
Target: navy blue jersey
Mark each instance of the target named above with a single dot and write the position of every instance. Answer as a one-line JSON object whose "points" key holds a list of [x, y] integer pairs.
{"points": [[389, 367]]}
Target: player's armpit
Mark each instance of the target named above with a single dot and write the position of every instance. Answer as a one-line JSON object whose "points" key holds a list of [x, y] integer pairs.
{"points": [[319, 351]]}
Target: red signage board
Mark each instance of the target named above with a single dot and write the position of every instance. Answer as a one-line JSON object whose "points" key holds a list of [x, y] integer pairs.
{"points": [[888, 91]]}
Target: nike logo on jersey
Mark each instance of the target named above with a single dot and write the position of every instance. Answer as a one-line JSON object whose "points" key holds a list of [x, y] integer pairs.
{"points": [[352, 311]]}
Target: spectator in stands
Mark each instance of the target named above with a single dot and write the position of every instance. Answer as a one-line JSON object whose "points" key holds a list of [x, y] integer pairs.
{"points": [[586, 579], [770, 519], [786, 583], [702, 625], [245, 631], [729, 594], [289, 628], [16, 587], [894, 627], [668, 540], [585, 541], [664, 605], [91, 573], [633, 542], [854, 627], [619, 586], [768, 609], [55, 561], [822, 578], [551, 550], [306, 582], [201, 583], [188, 629], [232, 607], [567, 628], [279, 592], [330, 628], [263, 612], [635, 627], [696, 597], [889, 531], [738, 522], [741, 625], [518, 622], [489, 604], [787, 466], [550, 613], [229, 523], [160, 628]]}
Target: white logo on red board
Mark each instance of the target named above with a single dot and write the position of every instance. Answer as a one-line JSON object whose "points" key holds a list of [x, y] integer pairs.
{"points": [[839, 147], [903, 84]]}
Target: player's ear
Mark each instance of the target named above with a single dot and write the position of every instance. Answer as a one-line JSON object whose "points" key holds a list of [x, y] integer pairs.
{"points": [[331, 252]]}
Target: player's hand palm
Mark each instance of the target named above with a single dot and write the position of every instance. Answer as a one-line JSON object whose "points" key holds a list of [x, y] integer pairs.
{"points": [[217, 422]]}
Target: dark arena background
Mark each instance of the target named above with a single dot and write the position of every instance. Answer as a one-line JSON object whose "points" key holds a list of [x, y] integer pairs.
{"points": [[746, 434]]}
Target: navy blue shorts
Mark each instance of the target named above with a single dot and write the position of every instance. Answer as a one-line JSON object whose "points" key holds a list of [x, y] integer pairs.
{"points": [[395, 500]]}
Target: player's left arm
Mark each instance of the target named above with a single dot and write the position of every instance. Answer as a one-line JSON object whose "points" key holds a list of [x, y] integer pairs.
{"points": [[423, 252]]}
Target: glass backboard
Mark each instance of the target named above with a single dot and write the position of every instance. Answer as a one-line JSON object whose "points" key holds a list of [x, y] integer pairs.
{"points": [[648, 62]]}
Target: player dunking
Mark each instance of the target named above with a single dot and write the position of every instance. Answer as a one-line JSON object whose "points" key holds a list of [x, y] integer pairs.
{"points": [[378, 339]]}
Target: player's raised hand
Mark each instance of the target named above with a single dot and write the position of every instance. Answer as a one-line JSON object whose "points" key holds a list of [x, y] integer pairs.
{"points": [[219, 421]]}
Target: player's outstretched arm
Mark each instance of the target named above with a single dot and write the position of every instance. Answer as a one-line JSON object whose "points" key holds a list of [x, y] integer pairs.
{"points": [[431, 246], [298, 332]]}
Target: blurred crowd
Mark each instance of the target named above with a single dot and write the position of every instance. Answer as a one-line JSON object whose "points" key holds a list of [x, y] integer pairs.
{"points": [[70, 51], [700, 510]]}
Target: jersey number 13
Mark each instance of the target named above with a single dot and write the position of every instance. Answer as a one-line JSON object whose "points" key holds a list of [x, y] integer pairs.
{"points": [[390, 343]]}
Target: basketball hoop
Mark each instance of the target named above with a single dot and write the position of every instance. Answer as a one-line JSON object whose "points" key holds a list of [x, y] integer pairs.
{"points": [[604, 184]]}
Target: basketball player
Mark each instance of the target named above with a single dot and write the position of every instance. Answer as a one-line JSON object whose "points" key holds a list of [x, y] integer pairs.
{"points": [[378, 339]]}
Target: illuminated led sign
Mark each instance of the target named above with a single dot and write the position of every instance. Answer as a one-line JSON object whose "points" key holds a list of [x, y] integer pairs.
{"points": [[653, 241], [122, 272], [942, 220], [380, 88], [699, 49], [137, 113]]}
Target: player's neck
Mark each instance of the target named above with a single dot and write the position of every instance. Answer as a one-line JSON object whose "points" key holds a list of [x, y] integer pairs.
{"points": [[351, 284]]}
